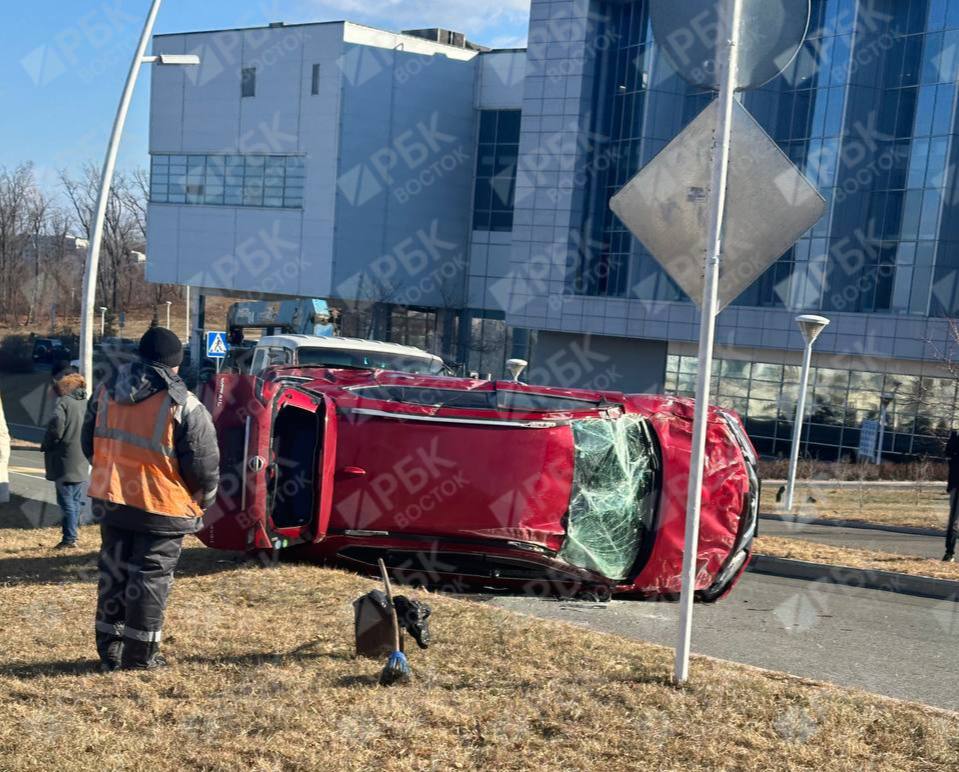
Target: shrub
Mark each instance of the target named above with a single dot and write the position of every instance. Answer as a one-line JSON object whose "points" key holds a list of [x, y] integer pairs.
{"points": [[16, 354]]}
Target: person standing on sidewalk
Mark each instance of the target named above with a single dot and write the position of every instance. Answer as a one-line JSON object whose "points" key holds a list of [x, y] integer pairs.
{"points": [[66, 466], [155, 470], [4, 458], [952, 487]]}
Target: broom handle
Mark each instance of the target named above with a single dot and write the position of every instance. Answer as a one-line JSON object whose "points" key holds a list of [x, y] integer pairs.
{"points": [[389, 597]]}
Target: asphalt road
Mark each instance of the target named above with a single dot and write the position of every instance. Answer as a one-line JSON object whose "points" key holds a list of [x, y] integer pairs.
{"points": [[37, 502], [880, 642], [857, 538]]}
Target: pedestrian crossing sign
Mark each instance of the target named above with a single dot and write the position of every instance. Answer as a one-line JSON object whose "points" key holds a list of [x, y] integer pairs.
{"points": [[216, 345]]}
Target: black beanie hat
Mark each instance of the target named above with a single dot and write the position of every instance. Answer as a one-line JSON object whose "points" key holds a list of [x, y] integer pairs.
{"points": [[160, 345]]}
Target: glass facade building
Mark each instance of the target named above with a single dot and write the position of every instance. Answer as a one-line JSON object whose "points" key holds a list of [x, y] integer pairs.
{"points": [[866, 110], [919, 415]]}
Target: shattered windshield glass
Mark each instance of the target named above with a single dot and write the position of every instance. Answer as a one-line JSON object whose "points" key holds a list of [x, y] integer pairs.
{"points": [[614, 495]]}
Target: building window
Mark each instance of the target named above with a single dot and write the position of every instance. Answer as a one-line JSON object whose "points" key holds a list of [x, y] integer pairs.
{"points": [[496, 170], [248, 82], [274, 181], [315, 88], [919, 415]]}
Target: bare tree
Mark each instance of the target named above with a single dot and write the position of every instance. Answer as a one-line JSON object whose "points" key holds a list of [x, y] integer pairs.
{"points": [[16, 189], [123, 233], [135, 196]]}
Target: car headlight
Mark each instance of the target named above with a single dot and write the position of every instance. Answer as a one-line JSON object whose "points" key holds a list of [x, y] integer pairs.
{"points": [[739, 433]]}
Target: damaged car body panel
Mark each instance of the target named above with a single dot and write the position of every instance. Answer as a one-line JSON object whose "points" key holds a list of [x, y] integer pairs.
{"points": [[463, 483]]}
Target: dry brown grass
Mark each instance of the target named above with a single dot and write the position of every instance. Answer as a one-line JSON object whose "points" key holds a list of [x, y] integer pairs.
{"points": [[797, 549], [922, 507], [137, 319], [264, 678]]}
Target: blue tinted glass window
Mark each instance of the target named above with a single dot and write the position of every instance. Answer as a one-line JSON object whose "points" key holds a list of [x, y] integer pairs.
{"points": [[942, 121], [230, 180], [496, 159]]}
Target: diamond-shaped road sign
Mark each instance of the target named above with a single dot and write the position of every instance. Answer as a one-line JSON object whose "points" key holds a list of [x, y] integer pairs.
{"points": [[769, 205]]}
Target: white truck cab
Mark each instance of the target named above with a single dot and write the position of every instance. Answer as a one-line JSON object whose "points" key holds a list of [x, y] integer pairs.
{"points": [[315, 351]]}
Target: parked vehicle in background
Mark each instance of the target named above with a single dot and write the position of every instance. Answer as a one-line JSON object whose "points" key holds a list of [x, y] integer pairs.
{"points": [[48, 350], [458, 482], [345, 353]]}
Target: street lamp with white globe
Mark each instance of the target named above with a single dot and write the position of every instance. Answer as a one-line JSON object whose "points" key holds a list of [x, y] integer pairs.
{"points": [[811, 326]]}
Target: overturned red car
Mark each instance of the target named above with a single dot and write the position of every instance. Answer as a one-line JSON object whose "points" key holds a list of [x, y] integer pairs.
{"points": [[467, 484]]}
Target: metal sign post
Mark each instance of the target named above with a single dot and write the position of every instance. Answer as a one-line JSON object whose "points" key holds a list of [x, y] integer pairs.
{"points": [[727, 95], [758, 204], [216, 347]]}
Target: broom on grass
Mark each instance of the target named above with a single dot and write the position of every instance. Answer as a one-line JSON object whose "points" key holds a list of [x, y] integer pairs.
{"points": [[397, 668]]}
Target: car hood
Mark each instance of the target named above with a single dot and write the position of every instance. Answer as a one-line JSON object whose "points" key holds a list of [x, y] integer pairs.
{"points": [[725, 487]]}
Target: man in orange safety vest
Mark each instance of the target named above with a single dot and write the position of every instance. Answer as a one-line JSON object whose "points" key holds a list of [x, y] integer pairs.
{"points": [[155, 463]]}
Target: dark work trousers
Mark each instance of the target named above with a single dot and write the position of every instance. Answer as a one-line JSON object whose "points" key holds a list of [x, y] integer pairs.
{"points": [[136, 574], [952, 530]]}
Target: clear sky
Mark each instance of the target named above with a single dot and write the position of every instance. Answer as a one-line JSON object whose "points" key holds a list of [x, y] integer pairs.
{"points": [[63, 62]]}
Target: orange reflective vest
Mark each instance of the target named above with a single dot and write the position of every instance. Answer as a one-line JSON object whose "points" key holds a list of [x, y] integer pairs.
{"points": [[134, 459]]}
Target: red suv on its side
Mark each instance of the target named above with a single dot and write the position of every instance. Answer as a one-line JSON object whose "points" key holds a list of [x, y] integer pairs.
{"points": [[461, 483]]}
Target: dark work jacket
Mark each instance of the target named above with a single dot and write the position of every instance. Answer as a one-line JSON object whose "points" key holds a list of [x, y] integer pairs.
{"points": [[62, 452], [194, 441]]}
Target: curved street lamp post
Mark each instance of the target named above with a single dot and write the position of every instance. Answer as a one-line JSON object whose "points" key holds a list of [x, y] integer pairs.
{"points": [[109, 166]]}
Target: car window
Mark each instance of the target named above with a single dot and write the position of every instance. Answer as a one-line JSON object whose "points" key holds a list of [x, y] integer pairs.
{"points": [[412, 395], [323, 357], [523, 401], [277, 356], [259, 361], [477, 400]]}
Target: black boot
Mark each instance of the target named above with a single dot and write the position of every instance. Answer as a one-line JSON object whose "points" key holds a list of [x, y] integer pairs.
{"points": [[110, 649], [140, 655]]}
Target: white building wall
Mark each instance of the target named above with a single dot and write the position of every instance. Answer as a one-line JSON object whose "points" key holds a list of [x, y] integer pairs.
{"points": [[201, 111], [500, 80]]}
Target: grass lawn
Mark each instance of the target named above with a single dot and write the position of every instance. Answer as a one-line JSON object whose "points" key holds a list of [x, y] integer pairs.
{"points": [[797, 549], [924, 507], [264, 678]]}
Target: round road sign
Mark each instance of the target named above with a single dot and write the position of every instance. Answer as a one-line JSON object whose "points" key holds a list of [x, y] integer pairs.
{"points": [[772, 32]]}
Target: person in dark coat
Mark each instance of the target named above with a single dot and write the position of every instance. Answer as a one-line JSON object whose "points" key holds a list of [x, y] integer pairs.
{"points": [[66, 466], [155, 470], [4, 458], [952, 487]]}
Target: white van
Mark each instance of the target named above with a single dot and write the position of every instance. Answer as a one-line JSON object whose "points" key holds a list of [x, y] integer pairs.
{"points": [[314, 351]]}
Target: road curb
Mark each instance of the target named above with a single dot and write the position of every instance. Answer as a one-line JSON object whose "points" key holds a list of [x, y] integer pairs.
{"points": [[905, 529], [869, 579]]}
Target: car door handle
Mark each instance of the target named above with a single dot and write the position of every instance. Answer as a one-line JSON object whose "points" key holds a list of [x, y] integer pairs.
{"points": [[349, 473]]}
